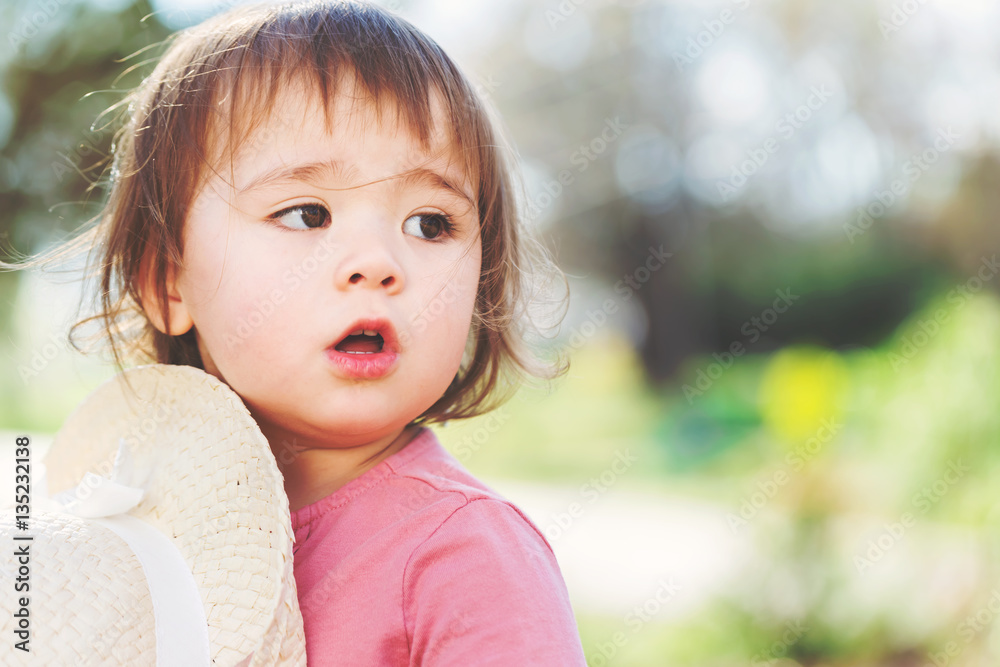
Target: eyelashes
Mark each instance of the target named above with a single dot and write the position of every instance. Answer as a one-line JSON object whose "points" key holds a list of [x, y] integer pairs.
{"points": [[306, 216], [431, 226], [436, 221]]}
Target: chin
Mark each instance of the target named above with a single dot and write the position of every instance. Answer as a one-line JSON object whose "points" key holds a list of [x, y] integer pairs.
{"points": [[359, 422]]}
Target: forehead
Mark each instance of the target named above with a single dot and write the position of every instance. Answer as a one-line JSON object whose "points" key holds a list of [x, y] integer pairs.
{"points": [[366, 138]]}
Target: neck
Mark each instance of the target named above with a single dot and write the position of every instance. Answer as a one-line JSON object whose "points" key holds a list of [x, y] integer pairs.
{"points": [[312, 472]]}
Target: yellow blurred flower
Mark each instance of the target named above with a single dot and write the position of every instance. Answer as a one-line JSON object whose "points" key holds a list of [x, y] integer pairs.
{"points": [[801, 387]]}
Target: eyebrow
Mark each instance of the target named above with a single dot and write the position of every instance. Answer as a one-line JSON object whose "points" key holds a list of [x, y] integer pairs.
{"points": [[311, 172]]}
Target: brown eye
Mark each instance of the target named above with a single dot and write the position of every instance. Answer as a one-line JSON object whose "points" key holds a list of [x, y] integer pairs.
{"points": [[429, 225], [307, 216]]}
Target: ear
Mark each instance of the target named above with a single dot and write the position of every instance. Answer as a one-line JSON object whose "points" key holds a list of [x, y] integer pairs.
{"points": [[180, 318]]}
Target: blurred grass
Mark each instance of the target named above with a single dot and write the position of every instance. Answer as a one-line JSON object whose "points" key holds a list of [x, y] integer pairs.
{"points": [[600, 409], [905, 410]]}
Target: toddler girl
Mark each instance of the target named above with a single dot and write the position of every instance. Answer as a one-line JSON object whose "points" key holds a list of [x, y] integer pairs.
{"points": [[312, 203]]}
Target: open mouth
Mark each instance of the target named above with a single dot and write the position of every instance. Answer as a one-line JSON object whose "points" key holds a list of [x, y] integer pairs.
{"points": [[361, 342]]}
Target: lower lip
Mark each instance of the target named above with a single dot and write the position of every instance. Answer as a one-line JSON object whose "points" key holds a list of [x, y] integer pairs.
{"points": [[362, 366]]}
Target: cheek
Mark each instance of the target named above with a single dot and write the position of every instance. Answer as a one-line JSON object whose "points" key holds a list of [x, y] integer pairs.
{"points": [[449, 311], [222, 285]]}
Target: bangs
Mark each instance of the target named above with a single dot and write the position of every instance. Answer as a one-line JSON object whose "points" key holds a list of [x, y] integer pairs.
{"points": [[332, 51]]}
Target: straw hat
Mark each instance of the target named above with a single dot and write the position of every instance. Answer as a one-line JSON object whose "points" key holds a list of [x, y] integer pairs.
{"points": [[172, 541]]}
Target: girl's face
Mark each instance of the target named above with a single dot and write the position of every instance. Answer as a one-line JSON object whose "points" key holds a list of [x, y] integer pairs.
{"points": [[313, 231]]}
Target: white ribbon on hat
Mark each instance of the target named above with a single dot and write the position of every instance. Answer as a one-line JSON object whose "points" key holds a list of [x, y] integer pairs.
{"points": [[179, 615]]}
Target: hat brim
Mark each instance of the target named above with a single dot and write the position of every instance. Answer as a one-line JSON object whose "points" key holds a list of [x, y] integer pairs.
{"points": [[214, 489]]}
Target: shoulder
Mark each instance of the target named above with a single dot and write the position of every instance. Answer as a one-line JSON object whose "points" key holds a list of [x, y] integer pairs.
{"points": [[485, 522], [486, 578], [488, 544], [426, 478], [460, 524], [449, 514]]}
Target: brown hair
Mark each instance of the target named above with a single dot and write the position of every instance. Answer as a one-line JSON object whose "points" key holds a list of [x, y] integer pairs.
{"points": [[247, 56]]}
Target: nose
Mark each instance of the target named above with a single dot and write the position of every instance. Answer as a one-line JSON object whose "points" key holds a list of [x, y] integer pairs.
{"points": [[370, 262]]}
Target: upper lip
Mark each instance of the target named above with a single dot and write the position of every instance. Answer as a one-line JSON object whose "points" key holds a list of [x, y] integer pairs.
{"points": [[390, 341]]}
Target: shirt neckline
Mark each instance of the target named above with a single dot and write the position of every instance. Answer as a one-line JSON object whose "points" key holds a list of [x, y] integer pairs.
{"points": [[422, 440]]}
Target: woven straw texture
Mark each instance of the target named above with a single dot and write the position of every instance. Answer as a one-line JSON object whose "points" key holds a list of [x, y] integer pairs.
{"points": [[104, 617], [215, 489]]}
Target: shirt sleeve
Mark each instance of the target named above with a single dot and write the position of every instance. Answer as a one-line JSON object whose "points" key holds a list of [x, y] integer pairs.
{"points": [[485, 589]]}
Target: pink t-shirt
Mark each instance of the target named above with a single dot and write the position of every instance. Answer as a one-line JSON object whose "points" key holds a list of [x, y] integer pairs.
{"points": [[416, 562]]}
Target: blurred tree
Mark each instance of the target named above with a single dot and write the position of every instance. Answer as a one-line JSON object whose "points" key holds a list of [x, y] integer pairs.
{"points": [[627, 118], [62, 68]]}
